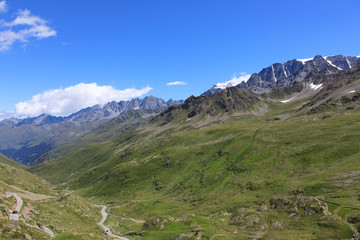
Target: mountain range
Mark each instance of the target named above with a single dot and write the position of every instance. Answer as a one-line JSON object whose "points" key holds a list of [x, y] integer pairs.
{"points": [[234, 164], [231, 165], [31, 140], [280, 75], [25, 140]]}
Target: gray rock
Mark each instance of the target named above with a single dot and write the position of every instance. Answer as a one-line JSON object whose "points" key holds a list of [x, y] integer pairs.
{"points": [[250, 221], [157, 222], [309, 205], [277, 225], [183, 236]]}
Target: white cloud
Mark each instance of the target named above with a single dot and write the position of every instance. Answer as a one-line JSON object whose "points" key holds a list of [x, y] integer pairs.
{"points": [[6, 114], [236, 79], [28, 27], [72, 99], [3, 6], [176, 83]]}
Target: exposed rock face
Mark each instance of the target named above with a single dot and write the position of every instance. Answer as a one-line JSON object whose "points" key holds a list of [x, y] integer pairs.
{"points": [[157, 222], [280, 75], [298, 205], [250, 221], [287, 74], [184, 236], [277, 225], [230, 100], [219, 214], [185, 217], [113, 109]]}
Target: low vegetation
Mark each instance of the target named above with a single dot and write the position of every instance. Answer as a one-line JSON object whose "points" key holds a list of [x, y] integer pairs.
{"points": [[278, 175]]}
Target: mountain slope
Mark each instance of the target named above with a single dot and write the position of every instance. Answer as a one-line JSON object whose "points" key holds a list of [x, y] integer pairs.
{"points": [[6, 160], [25, 140], [107, 131], [12, 173], [42, 209], [195, 109], [340, 92], [282, 172]]}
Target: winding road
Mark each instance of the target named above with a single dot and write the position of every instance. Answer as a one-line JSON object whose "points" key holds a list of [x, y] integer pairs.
{"points": [[16, 216], [106, 229]]}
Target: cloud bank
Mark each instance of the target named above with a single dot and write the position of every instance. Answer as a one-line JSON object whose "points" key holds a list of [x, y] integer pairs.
{"points": [[24, 28], [68, 100], [3, 6], [236, 79], [6, 114], [176, 83]]}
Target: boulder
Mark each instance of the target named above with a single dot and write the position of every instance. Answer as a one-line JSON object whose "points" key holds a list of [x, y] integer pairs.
{"points": [[277, 225], [309, 205], [157, 222], [354, 218], [184, 236], [250, 221]]}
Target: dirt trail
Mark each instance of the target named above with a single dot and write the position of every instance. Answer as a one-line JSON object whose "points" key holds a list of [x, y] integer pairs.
{"points": [[16, 216], [28, 195], [124, 218], [104, 215]]}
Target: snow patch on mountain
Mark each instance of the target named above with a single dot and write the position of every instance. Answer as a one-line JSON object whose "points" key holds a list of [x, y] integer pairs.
{"points": [[273, 72], [285, 101], [348, 63], [314, 86], [304, 60], [284, 70], [329, 62]]}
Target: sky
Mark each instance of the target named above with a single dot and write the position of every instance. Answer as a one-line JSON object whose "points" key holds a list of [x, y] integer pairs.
{"points": [[57, 56]]}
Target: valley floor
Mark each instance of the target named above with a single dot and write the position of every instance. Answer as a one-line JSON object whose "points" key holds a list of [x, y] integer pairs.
{"points": [[248, 178]]}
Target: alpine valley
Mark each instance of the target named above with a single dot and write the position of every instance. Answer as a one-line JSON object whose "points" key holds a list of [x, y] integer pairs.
{"points": [[273, 157]]}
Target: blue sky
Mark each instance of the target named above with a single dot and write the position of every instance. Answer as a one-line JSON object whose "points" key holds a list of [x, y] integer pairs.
{"points": [[140, 43]]}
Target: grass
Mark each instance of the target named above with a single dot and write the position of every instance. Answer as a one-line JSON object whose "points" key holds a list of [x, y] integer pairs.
{"points": [[63, 212], [12, 230], [241, 163], [6, 160]]}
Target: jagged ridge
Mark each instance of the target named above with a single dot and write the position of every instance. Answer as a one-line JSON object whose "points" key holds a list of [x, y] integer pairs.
{"points": [[25, 140], [292, 72]]}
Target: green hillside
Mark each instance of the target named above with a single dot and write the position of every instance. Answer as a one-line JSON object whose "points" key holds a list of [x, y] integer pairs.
{"points": [[6, 160], [13, 173], [109, 130], [65, 213], [271, 170]]}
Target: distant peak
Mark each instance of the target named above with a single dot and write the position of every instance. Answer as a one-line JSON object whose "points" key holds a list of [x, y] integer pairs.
{"points": [[150, 97], [288, 73]]}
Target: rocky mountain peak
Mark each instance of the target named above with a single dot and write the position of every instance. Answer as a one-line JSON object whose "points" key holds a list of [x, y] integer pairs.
{"points": [[291, 72], [44, 132]]}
